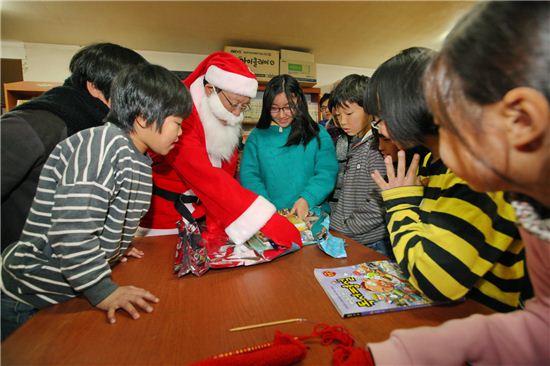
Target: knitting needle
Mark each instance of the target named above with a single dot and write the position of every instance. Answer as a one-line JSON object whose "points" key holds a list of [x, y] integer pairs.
{"points": [[267, 324]]}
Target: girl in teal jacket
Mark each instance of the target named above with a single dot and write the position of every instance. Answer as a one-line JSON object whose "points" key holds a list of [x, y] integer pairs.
{"points": [[287, 158]]}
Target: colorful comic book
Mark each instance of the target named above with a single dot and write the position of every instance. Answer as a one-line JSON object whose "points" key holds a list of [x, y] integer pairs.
{"points": [[370, 288]]}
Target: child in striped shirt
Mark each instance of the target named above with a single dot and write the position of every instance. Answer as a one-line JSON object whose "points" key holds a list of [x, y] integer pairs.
{"points": [[489, 88], [359, 212], [450, 240], [93, 190]]}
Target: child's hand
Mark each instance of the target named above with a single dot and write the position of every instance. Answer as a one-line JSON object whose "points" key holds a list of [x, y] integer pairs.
{"points": [[126, 297], [310, 220], [403, 178], [300, 208], [133, 252]]}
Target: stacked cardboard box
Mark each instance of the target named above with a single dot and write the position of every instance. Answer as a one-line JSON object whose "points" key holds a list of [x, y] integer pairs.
{"points": [[300, 65], [266, 64], [263, 63]]}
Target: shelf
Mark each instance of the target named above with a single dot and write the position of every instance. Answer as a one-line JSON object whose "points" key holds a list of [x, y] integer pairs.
{"points": [[25, 90]]}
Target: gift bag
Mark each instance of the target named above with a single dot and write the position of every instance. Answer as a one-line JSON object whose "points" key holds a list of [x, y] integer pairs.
{"points": [[191, 255], [258, 249]]}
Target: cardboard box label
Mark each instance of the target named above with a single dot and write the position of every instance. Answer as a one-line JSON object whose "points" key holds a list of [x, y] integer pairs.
{"points": [[263, 63], [304, 72], [295, 67], [288, 55]]}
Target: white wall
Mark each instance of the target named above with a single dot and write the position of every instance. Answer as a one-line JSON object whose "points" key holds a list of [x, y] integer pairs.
{"points": [[327, 75], [50, 62]]}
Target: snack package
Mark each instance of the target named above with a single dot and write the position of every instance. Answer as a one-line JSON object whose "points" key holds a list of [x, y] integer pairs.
{"points": [[317, 232], [305, 231]]}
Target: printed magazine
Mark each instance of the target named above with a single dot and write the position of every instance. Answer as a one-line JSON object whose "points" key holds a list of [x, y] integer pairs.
{"points": [[370, 288]]}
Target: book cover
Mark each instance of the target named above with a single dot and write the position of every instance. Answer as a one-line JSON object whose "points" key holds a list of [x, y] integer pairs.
{"points": [[370, 288]]}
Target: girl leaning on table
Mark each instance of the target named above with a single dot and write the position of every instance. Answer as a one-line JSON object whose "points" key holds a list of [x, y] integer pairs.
{"points": [[288, 158], [449, 240], [489, 90]]}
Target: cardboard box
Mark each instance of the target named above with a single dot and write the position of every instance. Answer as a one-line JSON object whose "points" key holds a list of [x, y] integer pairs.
{"points": [[263, 63], [300, 65], [297, 56]]}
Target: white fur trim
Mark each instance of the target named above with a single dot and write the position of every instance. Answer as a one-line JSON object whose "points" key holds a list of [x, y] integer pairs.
{"points": [[250, 221], [232, 82], [216, 162], [197, 92]]}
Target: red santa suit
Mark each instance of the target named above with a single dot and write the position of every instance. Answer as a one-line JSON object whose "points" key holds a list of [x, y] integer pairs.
{"points": [[197, 167]]}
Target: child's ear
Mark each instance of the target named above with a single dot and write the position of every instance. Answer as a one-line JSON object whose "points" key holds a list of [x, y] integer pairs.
{"points": [[96, 93], [141, 122], [527, 115]]}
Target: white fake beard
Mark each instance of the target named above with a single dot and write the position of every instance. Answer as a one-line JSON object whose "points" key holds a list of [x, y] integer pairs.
{"points": [[221, 140]]}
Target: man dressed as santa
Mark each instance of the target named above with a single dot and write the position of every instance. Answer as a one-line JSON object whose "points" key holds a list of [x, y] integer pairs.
{"points": [[204, 161]]}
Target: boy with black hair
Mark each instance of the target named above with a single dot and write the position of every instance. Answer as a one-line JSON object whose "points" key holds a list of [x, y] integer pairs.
{"points": [[31, 131], [325, 110], [94, 189], [359, 212]]}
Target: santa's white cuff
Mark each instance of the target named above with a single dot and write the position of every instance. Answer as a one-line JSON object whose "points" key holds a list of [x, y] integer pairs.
{"points": [[250, 221]]}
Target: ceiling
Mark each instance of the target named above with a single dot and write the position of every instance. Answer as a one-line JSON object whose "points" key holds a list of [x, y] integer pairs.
{"points": [[356, 33]]}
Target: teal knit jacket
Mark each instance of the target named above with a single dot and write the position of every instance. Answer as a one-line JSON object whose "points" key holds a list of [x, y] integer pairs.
{"points": [[282, 174]]}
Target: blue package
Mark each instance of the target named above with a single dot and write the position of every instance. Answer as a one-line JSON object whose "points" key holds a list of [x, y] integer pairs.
{"points": [[328, 243]]}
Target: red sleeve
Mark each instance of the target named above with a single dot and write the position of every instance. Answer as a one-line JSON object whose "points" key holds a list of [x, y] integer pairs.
{"points": [[222, 195]]}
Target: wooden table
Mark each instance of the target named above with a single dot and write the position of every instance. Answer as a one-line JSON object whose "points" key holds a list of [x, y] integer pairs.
{"points": [[191, 321]]}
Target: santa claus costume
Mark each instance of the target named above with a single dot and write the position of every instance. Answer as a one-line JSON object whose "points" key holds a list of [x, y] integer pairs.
{"points": [[204, 161]]}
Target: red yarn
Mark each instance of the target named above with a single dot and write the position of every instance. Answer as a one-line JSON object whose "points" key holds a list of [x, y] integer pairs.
{"points": [[285, 350], [332, 334], [288, 350], [344, 354]]}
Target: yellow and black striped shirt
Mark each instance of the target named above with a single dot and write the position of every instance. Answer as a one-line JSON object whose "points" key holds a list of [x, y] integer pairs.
{"points": [[455, 242]]}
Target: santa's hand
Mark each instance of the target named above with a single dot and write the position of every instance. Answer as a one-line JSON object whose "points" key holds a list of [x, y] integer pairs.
{"points": [[281, 231]]}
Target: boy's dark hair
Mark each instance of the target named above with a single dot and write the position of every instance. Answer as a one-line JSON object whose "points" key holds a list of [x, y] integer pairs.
{"points": [[495, 48], [325, 96], [395, 94], [99, 63], [303, 127], [349, 90], [148, 91]]}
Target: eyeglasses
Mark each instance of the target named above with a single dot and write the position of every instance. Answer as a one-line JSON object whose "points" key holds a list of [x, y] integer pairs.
{"points": [[275, 110], [324, 108], [243, 107], [374, 124]]}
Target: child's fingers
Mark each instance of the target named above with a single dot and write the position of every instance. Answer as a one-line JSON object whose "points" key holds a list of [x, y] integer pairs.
{"points": [[144, 305], [311, 218], [111, 315], [389, 168], [401, 165], [130, 309], [142, 293], [135, 252], [377, 178], [150, 297], [411, 173]]}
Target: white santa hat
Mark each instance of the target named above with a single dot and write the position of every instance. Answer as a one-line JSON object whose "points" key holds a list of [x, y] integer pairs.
{"points": [[227, 72]]}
